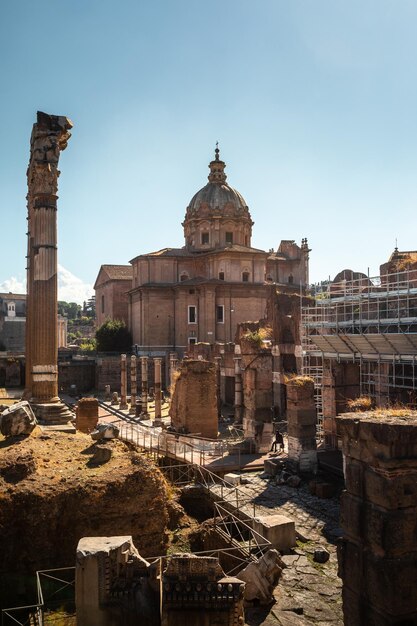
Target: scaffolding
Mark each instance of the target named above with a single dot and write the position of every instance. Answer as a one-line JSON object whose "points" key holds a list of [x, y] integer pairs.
{"points": [[369, 321]]}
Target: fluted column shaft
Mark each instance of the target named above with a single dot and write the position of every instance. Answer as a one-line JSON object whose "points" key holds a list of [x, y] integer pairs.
{"points": [[144, 373], [49, 137], [133, 385], [158, 403]]}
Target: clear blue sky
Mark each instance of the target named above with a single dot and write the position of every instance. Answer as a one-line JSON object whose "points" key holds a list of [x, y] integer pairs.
{"points": [[314, 103]]}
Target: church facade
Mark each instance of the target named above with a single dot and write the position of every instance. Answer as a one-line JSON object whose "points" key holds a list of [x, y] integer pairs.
{"points": [[200, 292]]}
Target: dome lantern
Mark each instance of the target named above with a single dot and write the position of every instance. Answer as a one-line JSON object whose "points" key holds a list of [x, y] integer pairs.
{"points": [[217, 215]]}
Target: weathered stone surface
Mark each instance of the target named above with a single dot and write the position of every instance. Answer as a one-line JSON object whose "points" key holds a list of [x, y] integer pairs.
{"points": [[378, 554], [192, 584], [299, 389], [194, 399], [277, 529], [18, 419], [232, 478], [49, 137], [105, 567], [301, 416], [105, 431], [300, 430], [102, 454], [262, 577], [273, 466], [86, 415]]}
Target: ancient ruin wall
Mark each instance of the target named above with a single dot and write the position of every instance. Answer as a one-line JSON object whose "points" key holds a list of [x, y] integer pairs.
{"points": [[378, 554], [194, 399]]}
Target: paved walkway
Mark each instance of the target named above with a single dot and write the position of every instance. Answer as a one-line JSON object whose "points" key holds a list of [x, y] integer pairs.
{"points": [[308, 592]]}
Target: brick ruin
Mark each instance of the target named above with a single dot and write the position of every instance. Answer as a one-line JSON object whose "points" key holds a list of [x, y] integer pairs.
{"points": [[86, 416], [194, 399], [378, 553], [252, 372], [302, 422]]}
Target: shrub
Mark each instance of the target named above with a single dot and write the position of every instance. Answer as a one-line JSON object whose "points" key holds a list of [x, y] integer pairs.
{"points": [[113, 336]]}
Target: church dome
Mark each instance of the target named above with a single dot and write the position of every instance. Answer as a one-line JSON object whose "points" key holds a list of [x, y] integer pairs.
{"points": [[217, 214], [217, 198]]}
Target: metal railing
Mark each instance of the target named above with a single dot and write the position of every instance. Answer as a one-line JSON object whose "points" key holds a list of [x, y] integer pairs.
{"points": [[55, 588]]}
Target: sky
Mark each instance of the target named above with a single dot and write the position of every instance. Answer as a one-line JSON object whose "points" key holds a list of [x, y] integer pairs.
{"points": [[313, 103]]}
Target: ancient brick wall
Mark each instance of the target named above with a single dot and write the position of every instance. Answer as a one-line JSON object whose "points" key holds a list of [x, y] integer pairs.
{"points": [[82, 374], [194, 399], [86, 415], [378, 554], [302, 419]]}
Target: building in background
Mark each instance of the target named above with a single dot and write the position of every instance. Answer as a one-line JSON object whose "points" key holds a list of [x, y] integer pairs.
{"points": [[112, 286], [200, 292]]}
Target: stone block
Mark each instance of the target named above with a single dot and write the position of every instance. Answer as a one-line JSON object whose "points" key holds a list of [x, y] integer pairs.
{"points": [[393, 489], [306, 417], [101, 563], [389, 442], [262, 577], [194, 399], [232, 478], [273, 466], [101, 455], [86, 415], [353, 608], [391, 533], [307, 462], [296, 445], [297, 391], [349, 557], [301, 431], [277, 529], [105, 431], [354, 477], [377, 527], [390, 583], [17, 419]]}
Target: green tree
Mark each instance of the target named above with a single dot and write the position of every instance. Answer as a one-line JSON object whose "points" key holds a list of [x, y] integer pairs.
{"points": [[113, 336], [69, 309]]}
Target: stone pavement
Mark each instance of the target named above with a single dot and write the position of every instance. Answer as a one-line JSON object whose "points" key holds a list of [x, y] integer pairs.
{"points": [[308, 593]]}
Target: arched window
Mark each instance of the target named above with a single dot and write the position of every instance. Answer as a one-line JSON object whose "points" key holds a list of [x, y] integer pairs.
{"points": [[290, 279], [245, 277]]}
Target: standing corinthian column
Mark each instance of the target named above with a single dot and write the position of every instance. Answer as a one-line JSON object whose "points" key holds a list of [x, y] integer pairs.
{"points": [[49, 137]]}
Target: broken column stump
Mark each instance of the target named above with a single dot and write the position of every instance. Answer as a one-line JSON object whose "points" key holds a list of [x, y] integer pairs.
{"points": [[378, 552], [194, 400], [302, 420], [86, 415]]}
